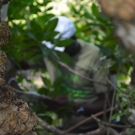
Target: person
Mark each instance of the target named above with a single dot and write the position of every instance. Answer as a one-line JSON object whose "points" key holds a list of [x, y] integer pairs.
{"points": [[87, 97]]}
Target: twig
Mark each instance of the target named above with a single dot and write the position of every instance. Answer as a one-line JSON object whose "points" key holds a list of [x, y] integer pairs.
{"points": [[86, 120], [118, 102], [105, 106], [31, 96], [113, 99], [100, 131], [110, 124], [126, 117], [34, 97], [49, 127], [74, 72]]}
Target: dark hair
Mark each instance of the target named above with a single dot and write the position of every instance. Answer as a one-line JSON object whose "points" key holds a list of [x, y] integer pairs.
{"points": [[74, 37], [74, 48]]}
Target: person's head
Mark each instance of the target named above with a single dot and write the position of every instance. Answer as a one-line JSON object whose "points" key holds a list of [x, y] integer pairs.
{"points": [[66, 29]]}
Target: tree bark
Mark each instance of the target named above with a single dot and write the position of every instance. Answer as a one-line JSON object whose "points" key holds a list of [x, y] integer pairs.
{"points": [[122, 14], [4, 11], [16, 118]]}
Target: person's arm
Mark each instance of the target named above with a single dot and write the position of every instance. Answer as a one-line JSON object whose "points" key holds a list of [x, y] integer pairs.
{"points": [[23, 65], [99, 75], [95, 107], [11, 79], [89, 109]]}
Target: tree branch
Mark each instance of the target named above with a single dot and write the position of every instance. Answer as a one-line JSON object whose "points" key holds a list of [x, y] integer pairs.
{"points": [[110, 124], [101, 131], [86, 120], [35, 97], [31, 96], [122, 19], [76, 73], [48, 127], [2, 2], [4, 12]]}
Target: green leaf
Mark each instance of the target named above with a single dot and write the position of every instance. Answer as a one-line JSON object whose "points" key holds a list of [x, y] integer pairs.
{"points": [[64, 57], [95, 10], [49, 36], [37, 57], [47, 82], [124, 104], [116, 115], [41, 21], [31, 35], [133, 96], [57, 82], [49, 8], [46, 2], [43, 90], [65, 42], [44, 50], [51, 24], [34, 10]]}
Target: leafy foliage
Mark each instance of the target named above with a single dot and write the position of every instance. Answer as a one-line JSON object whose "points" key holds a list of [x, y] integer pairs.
{"points": [[28, 22]]}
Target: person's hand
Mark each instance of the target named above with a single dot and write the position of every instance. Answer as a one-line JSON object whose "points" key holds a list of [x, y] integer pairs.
{"points": [[58, 103], [62, 100], [65, 106]]}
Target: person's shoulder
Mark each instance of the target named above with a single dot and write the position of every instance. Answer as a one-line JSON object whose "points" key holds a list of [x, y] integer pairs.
{"points": [[88, 46]]}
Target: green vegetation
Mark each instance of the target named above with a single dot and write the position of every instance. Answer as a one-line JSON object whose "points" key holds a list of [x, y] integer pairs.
{"points": [[27, 20]]}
